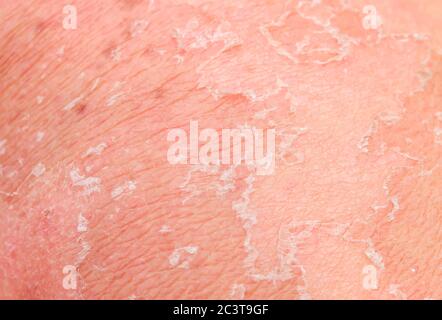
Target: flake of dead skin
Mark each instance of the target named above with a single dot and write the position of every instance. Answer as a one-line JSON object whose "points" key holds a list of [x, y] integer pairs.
{"points": [[249, 219], [73, 103], [395, 202], [192, 189], [179, 58], [364, 143], [262, 114], [138, 27], [82, 225], [192, 37], [238, 291], [38, 170], [40, 99], [85, 249], [287, 140], [165, 229], [289, 237], [95, 84], [2, 146], [303, 293], [390, 119], [89, 184], [39, 136], [126, 187], [181, 257], [306, 48], [438, 135], [113, 99], [374, 256], [116, 54], [161, 52], [97, 150], [394, 289]]}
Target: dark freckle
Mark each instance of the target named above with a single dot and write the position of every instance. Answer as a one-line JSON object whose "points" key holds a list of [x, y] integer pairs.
{"points": [[42, 25], [47, 212], [80, 108], [158, 93], [130, 4], [147, 51]]}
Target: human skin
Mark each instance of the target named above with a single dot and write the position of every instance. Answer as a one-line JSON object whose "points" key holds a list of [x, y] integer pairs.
{"points": [[84, 175]]}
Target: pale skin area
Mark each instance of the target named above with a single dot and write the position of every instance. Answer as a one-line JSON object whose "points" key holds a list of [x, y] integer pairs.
{"points": [[352, 211]]}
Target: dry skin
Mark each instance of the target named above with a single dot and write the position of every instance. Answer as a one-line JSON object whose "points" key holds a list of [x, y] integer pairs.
{"points": [[90, 206]]}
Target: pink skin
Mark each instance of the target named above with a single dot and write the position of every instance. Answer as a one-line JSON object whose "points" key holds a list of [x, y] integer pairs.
{"points": [[84, 175]]}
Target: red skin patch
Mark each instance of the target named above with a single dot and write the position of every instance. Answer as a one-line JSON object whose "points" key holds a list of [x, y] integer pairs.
{"points": [[356, 185]]}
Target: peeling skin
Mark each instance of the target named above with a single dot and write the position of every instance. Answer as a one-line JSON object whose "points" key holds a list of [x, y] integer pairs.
{"points": [[73, 103], [82, 223], [127, 187], [39, 136], [89, 184], [356, 105], [182, 257], [97, 150], [38, 169]]}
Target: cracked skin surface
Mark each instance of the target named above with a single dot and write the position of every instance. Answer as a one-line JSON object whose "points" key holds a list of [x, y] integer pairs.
{"points": [[358, 174]]}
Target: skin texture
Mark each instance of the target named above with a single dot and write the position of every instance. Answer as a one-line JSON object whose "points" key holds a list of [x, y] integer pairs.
{"points": [[84, 176]]}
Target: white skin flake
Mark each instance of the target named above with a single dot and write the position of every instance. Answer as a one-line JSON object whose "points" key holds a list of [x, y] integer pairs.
{"points": [[165, 229], [126, 187], [73, 103], [89, 184], [82, 223], [40, 99], [39, 136], [374, 256], [85, 248], [95, 84], [396, 207], [38, 169], [97, 150], [394, 289], [138, 27], [116, 54], [113, 99], [238, 291], [181, 257]]}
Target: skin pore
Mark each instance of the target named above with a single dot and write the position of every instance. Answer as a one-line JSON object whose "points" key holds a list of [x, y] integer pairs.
{"points": [[90, 206]]}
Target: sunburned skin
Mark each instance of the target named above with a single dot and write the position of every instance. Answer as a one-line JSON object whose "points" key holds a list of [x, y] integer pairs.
{"points": [[91, 206]]}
